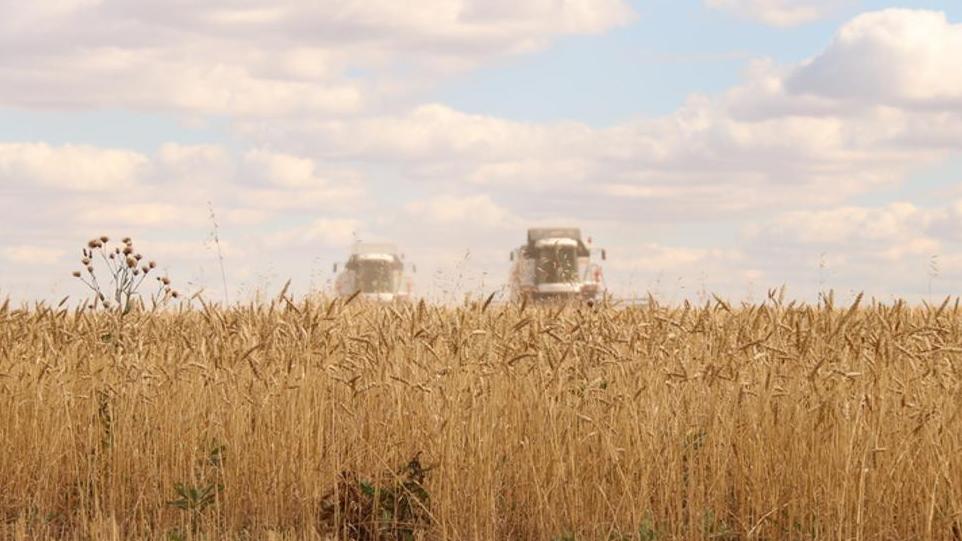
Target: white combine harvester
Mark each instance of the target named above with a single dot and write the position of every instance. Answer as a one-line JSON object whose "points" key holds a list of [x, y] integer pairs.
{"points": [[555, 264], [376, 272]]}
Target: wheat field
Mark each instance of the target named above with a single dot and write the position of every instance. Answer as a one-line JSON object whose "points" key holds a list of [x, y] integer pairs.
{"points": [[317, 419]]}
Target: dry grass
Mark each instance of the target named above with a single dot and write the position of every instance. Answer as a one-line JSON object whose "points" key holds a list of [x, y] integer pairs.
{"points": [[287, 421]]}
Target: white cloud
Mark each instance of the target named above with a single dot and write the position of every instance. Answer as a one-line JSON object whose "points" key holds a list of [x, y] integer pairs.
{"points": [[166, 79], [316, 200], [476, 210], [246, 16], [32, 255], [246, 216], [178, 155], [204, 164], [531, 172], [851, 225], [468, 23], [897, 57], [69, 167], [886, 250], [283, 170], [326, 231], [173, 187], [893, 223], [285, 181], [435, 132], [292, 57], [140, 215], [165, 252], [775, 12], [654, 257], [706, 157], [892, 232], [915, 248], [24, 13]]}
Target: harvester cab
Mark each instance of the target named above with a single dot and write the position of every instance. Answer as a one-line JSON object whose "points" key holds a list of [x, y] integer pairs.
{"points": [[556, 263], [376, 271]]}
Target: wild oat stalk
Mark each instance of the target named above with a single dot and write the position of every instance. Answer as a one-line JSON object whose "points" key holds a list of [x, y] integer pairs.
{"points": [[215, 236]]}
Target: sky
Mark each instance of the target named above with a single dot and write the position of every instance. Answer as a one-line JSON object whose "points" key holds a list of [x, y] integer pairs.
{"points": [[711, 146]]}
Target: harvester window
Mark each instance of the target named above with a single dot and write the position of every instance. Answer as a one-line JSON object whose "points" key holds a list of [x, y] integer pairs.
{"points": [[376, 276], [557, 264]]}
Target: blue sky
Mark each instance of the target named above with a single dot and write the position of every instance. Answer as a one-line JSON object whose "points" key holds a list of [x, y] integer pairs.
{"points": [[701, 141], [672, 49]]}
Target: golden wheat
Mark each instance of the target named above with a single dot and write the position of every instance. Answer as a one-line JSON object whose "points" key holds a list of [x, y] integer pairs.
{"points": [[522, 422]]}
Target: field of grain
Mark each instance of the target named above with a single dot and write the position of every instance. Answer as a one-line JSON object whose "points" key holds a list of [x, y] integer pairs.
{"points": [[318, 420]]}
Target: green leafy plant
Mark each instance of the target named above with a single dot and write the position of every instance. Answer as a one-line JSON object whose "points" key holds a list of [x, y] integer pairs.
{"points": [[195, 499], [717, 528], [646, 532], [395, 509]]}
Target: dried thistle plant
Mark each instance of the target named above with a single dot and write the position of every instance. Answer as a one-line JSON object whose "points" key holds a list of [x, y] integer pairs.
{"points": [[115, 275]]}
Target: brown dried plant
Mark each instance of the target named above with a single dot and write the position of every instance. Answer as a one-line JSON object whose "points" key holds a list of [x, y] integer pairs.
{"points": [[115, 274]]}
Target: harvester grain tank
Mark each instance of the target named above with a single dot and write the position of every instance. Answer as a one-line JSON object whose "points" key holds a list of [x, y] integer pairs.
{"points": [[556, 263], [376, 271]]}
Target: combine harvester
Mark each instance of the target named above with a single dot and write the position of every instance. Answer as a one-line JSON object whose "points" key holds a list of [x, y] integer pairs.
{"points": [[555, 264], [376, 272]]}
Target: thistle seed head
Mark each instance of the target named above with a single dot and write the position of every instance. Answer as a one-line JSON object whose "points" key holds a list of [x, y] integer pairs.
{"points": [[131, 262], [76, 274], [104, 239]]}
